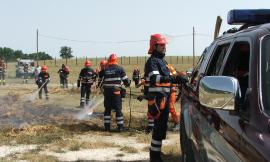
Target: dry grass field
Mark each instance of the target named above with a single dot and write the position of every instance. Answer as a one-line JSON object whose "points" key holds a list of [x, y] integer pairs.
{"points": [[57, 130]]}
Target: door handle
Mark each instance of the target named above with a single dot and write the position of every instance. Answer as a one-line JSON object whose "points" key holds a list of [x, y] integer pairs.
{"points": [[268, 126]]}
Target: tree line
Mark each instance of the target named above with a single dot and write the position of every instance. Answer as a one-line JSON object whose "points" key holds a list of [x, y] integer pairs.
{"points": [[12, 55]]}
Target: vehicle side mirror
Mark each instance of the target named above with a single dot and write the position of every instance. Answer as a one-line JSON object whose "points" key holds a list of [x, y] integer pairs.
{"points": [[219, 92]]}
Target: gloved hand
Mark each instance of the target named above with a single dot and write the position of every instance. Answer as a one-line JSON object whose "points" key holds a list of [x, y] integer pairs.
{"points": [[78, 83], [181, 79], [47, 80], [128, 83]]}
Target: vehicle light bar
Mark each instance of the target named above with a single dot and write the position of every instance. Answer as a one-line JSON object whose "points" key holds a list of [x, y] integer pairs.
{"points": [[248, 16]]}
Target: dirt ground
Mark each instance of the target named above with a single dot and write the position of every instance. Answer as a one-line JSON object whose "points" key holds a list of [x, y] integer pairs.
{"points": [[58, 130]]}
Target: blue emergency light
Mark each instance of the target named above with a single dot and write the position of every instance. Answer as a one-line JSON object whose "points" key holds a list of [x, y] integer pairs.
{"points": [[248, 16]]}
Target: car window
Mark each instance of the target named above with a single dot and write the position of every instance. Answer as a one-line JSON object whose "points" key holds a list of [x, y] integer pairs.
{"points": [[265, 74], [237, 65], [195, 74], [217, 59]]}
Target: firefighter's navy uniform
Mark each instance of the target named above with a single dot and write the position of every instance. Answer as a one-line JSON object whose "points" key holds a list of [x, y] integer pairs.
{"points": [[2, 72], [42, 82], [159, 92], [114, 75], [158, 102], [136, 75], [63, 75], [86, 78], [158, 95]]}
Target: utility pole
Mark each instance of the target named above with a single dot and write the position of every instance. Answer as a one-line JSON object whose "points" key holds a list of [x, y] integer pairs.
{"points": [[37, 47], [193, 36]]}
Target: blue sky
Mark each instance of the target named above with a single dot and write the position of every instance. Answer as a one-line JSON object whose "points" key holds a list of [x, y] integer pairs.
{"points": [[99, 27]]}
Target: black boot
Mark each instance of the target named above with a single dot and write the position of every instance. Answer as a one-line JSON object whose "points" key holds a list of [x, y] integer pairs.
{"points": [[107, 128], [81, 104], [121, 128], [155, 156]]}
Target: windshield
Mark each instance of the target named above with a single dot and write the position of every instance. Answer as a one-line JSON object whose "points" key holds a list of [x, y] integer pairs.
{"points": [[265, 73]]}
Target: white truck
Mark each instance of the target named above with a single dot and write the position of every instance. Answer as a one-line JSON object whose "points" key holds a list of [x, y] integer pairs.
{"points": [[20, 68]]}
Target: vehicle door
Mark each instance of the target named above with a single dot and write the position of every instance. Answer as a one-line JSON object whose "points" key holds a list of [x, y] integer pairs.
{"points": [[236, 64], [254, 111], [206, 136]]}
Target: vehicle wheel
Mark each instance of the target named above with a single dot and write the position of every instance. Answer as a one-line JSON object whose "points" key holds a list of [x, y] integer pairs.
{"points": [[186, 148]]}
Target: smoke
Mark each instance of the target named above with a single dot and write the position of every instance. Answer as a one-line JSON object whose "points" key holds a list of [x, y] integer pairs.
{"points": [[17, 112], [87, 111]]}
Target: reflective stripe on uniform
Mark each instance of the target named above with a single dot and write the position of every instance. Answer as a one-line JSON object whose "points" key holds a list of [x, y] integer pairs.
{"points": [[119, 118], [107, 117], [113, 79], [120, 122], [155, 149], [112, 85], [125, 77], [153, 73], [107, 121], [159, 89], [155, 142]]}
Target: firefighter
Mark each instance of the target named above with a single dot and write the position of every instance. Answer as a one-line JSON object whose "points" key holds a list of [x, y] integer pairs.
{"points": [[25, 72], [63, 75], [172, 101], [43, 80], [102, 64], [157, 72], [114, 75], [86, 79], [3, 68], [136, 75]]}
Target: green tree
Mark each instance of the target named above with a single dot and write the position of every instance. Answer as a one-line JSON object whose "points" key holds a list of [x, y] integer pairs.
{"points": [[7, 53], [40, 56], [66, 52]]}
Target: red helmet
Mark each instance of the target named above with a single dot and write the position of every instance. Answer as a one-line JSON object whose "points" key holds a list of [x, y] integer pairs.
{"points": [[112, 59], [44, 68], [87, 63], [103, 63], [156, 39]]}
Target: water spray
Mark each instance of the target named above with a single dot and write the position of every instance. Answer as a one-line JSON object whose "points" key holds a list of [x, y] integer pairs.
{"points": [[89, 108], [33, 96]]}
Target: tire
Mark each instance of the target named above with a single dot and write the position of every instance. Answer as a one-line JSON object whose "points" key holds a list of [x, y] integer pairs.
{"points": [[186, 148]]}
